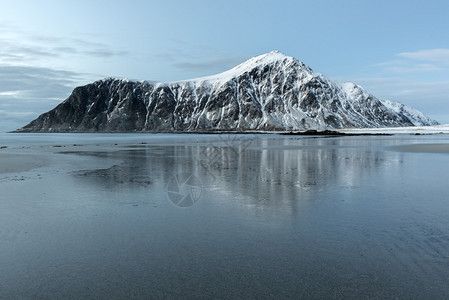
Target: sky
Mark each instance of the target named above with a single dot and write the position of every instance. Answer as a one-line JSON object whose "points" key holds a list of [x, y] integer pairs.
{"points": [[397, 50]]}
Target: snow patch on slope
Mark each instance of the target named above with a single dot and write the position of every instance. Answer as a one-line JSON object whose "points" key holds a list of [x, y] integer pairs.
{"points": [[417, 117]]}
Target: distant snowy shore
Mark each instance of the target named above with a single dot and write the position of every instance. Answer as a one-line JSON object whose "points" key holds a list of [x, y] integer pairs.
{"points": [[437, 129]]}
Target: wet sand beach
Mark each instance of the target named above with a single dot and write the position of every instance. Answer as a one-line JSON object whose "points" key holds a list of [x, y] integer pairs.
{"points": [[223, 216], [15, 163], [424, 148]]}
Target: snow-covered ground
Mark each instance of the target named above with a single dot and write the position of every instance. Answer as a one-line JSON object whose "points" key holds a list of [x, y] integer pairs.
{"points": [[437, 129]]}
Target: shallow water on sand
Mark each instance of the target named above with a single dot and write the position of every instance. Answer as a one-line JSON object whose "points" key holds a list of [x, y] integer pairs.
{"points": [[228, 216]]}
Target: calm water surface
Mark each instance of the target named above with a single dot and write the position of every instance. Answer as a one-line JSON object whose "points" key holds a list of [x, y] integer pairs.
{"points": [[227, 216]]}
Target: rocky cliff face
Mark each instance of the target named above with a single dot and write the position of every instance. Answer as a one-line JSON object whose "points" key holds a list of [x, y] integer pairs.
{"points": [[267, 92]]}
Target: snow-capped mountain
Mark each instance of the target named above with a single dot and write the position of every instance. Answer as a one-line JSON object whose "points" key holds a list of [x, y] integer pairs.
{"points": [[267, 92]]}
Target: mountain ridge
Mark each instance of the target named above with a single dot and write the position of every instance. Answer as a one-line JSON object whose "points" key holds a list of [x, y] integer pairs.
{"points": [[267, 92]]}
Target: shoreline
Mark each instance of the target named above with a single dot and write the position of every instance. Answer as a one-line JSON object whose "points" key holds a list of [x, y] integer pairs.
{"points": [[412, 130]]}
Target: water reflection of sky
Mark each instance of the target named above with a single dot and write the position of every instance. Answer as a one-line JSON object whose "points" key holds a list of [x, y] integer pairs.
{"points": [[275, 174], [299, 217]]}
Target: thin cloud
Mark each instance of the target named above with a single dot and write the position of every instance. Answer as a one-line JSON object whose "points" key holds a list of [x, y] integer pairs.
{"points": [[404, 66], [43, 82], [85, 43], [440, 56], [11, 51], [104, 53], [66, 49], [423, 61], [198, 59], [17, 46], [165, 56], [9, 57], [14, 115], [214, 65]]}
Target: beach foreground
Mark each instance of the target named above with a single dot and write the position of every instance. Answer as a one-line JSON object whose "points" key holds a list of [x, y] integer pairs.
{"points": [[165, 215]]}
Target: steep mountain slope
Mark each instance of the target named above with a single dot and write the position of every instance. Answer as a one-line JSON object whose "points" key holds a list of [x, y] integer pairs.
{"points": [[267, 92], [419, 119]]}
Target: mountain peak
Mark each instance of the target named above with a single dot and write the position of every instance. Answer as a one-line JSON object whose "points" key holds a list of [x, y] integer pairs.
{"points": [[275, 54], [267, 58], [270, 58]]}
